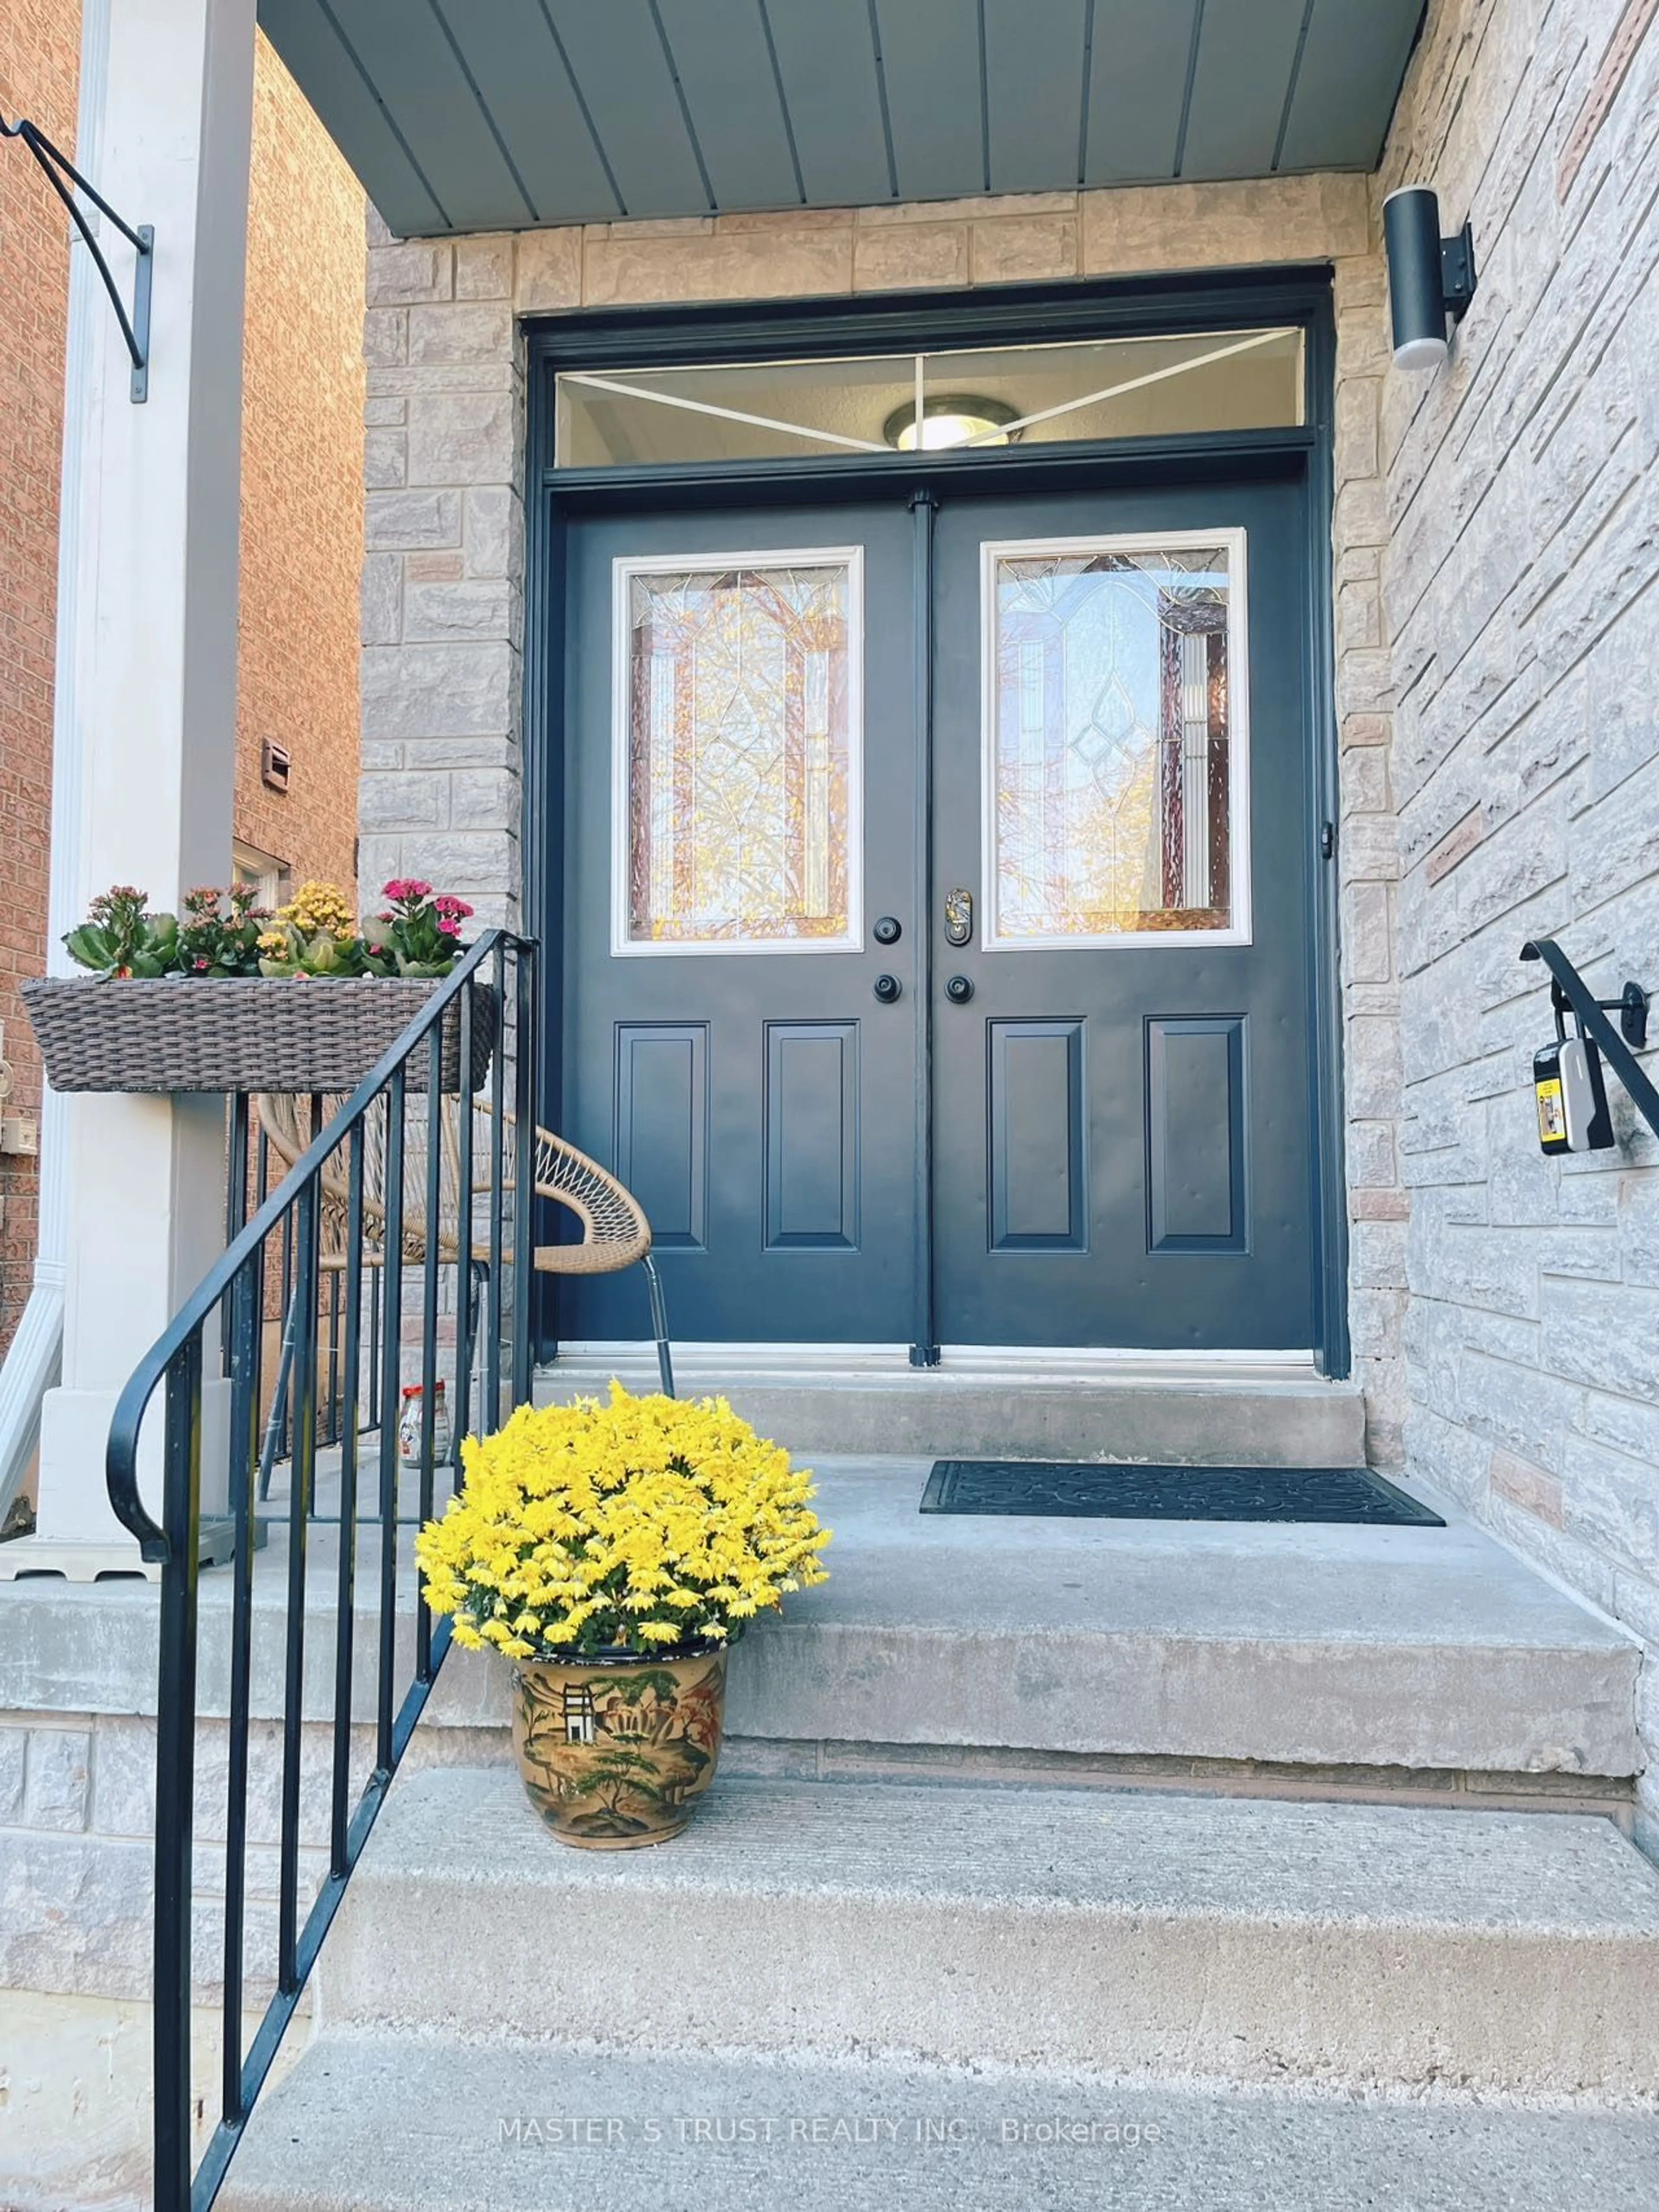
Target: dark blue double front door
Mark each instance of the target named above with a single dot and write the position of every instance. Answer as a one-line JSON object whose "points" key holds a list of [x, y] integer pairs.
{"points": [[935, 915]]}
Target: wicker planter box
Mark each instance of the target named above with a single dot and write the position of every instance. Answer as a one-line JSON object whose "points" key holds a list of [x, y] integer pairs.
{"points": [[242, 1033]]}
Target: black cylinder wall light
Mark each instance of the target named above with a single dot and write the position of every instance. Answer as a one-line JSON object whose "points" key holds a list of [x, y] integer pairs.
{"points": [[1429, 277]]}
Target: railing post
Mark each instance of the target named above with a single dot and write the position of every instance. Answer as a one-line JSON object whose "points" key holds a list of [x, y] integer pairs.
{"points": [[345, 1624], [434, 1138], [302, 1476], [524, 1187], [175, 1774], [392, 1379], [236, 1168], [492, 1416], [461, 1412], [247, 1311]]}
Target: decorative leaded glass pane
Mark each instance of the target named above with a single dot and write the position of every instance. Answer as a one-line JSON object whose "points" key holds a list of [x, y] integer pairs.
{"points": [[1112, 742], [741, 749]]}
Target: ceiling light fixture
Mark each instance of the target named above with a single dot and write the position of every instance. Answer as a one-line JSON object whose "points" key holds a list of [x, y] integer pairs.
{"points": [[957, 418]]}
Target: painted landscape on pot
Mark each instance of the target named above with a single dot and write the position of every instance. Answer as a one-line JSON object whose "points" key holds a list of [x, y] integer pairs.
{"points": [[612, 1756]]}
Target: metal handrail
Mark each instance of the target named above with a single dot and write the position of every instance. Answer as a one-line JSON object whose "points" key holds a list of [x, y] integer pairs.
{"points": [[236, 1289], [121, 1456], [1570, 989]]}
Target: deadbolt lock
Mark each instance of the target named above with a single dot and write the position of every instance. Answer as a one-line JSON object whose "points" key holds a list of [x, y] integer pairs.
{"points": [[888, 930], [958, 917]]}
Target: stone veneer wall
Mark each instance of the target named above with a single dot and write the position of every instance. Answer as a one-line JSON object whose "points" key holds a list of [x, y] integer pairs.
{"points": [[442, 593], [77, 1848], [1522, 591]]}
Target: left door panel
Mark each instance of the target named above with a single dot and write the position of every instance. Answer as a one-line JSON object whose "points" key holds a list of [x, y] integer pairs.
{"points": [[739, 806]]}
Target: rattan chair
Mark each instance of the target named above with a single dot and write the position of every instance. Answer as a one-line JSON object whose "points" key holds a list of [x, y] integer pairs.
{"points": [[616, 1233]]}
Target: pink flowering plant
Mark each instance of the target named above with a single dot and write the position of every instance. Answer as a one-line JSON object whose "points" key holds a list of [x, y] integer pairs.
{"points": [[219, 933], [419, 933], [223, 934]]}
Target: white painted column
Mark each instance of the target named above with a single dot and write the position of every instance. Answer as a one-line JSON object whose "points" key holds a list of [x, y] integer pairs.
{"points": [[33, 1360], [151, 642]]}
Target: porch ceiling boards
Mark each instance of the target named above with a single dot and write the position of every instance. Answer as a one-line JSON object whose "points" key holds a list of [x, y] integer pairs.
{"points": [[462, 115]]}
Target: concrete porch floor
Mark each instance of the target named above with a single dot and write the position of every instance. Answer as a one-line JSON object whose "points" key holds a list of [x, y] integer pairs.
{"points": [[1235, 1655], [1238, 1655], [1308, 1646]]}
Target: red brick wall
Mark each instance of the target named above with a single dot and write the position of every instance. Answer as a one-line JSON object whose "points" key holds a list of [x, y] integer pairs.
{"points": [[301, 515], [303, 486]]}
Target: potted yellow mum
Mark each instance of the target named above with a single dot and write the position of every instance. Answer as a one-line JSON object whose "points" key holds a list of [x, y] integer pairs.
{"points": [[615, 1554]]}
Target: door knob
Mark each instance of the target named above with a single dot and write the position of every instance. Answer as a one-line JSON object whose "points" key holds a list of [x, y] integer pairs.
{"points": [[888, 930], [887, 988], [959, 990]]}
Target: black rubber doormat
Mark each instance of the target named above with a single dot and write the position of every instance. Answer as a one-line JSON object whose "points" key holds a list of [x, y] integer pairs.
{"points": [[1054, 1489]]}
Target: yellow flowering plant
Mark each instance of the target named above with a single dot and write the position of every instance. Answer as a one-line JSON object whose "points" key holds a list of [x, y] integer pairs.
{"points": [[642, 1525], [314, 934]]}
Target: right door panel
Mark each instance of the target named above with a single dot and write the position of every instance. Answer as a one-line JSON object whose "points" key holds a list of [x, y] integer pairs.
{"points": [[1123, 778]]}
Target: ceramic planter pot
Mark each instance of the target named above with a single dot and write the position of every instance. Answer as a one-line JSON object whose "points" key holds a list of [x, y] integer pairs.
{"points": [[616, 1750]]}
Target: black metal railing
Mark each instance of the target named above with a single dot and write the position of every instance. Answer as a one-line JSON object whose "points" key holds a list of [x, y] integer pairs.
{"points": [[253, 1166], [1570, 994], [406, 1178]]}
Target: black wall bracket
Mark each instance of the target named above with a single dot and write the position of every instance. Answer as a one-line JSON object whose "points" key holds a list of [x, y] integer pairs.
{"points": [[1457, 271], [1570, 994], [56, 166]]}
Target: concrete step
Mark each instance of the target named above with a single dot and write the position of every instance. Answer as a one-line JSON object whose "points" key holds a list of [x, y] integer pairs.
{"points": [[374, 2122], [1199, 1937], [1425, 1652], [1078, 1406]]}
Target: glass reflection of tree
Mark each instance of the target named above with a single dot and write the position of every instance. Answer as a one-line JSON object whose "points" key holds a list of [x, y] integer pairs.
{"points": [[1083, 808]]}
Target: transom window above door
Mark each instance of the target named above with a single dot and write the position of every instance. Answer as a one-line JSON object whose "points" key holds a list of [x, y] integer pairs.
{"points": [[982, 399]]}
